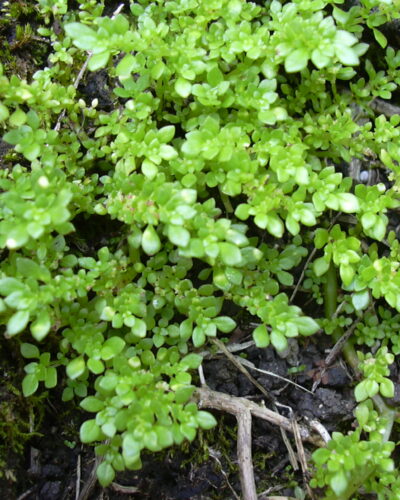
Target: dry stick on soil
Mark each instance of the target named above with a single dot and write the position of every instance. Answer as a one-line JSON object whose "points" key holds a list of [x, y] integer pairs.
{"points": [[27, 493], [242, 409], [302, 456], [125, 490], [91, 481], [207, 398], [240, 367], [78, 478], [244, 455]]}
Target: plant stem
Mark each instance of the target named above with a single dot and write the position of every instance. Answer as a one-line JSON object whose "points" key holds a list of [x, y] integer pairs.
{"points": [[330, 302]]}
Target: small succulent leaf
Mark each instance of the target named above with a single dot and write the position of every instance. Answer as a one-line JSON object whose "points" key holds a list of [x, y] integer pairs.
{"points": [[339, 483], [75, 368], [17, 322], [29, 350], [261, 336], [29, 384], [90, 432], [105, 474], [224, 323], [205, 420], [386, 388]]}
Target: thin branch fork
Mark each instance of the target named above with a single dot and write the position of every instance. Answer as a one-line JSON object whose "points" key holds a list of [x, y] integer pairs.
{"points": [[207, 398], [243, 409]]}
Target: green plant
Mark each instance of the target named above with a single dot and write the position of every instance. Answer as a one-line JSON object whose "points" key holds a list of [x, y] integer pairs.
{"points": [[212, 177]]}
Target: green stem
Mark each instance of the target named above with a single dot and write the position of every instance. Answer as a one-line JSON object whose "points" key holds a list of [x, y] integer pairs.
{"points": [[331, 304], [330, 299], [226, 201]]}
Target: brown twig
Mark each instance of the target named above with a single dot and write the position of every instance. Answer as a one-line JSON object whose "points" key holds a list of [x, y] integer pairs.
{"points": [[244, 454], [207, 398], [91, 481], [262, 389], [78, 478], [125, 490]]}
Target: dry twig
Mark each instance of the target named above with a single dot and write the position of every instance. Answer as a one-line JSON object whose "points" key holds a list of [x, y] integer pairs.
{"points": [[262, 389], [78, 478], [207, 398]]}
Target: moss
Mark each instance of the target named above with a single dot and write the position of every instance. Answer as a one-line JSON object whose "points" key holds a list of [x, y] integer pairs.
{"points": [[20, 418], [22, 52]]}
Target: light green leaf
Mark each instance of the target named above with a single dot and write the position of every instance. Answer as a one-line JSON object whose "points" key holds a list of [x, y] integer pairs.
{"points": [[275, 225], [139, 328], [321, 266], [215, 77], [41, 326], [29, 384], [178, 235], [151, 243], [198, 336], [279, 341], [90, 431], [98, 61], [378, 230], [50, 380], [321, 238], [306, 325], [224, 323], [320, 58], [296, 60], [386, 388], [230, 253], [17, 322], [205, 420], [362, 413], [84, 37], [192, 361], [261, 336], [130, 450], [346, 273], [339, 483], [183, 87], [368, 220], [29, 350], [18, 118], [75, 368], [10, 285], [95, 366], [92, 404], [112, 347], [371, 387], [346, 55], [348, 203], [360, 300], [4, 113], [105, 474]]}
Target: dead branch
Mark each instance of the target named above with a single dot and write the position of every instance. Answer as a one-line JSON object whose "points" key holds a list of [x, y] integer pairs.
{"points": [[207, 398]]}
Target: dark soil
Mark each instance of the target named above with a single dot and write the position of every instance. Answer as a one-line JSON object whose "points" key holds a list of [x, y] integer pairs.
{"points": [[49, 465]]}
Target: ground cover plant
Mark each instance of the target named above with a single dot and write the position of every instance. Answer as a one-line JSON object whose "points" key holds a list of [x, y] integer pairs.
{"points": [[217, 171]]}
